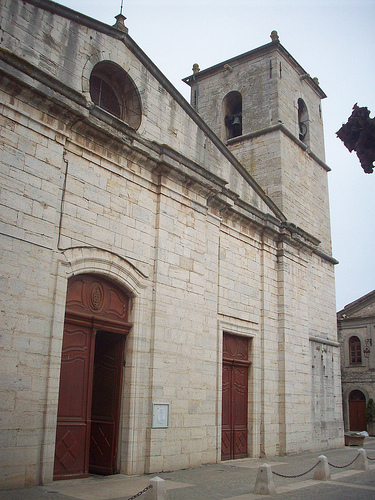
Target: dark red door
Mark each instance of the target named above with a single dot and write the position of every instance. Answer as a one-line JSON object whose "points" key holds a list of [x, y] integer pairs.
{"points": [[234, 397], [109, 355], [90, 378], [73, 426], [357, 411]]}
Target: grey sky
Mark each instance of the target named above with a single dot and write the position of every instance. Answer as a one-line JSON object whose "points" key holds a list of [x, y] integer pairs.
{"points": [[331, 39]]}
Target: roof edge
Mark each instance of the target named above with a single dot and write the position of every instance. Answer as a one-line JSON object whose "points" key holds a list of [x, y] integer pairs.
{"points": [[154, 70], [263, 48], [358, 302], [74, 16]]}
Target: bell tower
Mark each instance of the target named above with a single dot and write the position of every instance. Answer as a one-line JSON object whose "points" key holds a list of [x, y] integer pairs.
{"points": [[267, 109]]}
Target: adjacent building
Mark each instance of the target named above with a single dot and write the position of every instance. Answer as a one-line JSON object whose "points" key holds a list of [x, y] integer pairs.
{"points": [[356, 331], [167, 280]]}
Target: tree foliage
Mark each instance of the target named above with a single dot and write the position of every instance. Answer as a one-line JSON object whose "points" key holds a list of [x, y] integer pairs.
{"points": [[370, 411], [358, 134]]}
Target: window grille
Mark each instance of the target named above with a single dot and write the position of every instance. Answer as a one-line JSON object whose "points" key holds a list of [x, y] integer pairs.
{"points": [[113, 90], [104, 97]]}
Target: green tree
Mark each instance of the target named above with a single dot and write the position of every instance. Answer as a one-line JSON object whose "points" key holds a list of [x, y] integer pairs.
{"points": [[370, 411]]}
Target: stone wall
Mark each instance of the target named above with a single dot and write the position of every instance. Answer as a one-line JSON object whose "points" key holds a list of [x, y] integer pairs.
{"points": [[291, 172], [162, 213]]}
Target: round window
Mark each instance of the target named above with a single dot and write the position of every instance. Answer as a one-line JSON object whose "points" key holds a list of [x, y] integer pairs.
{"points": [[113, 90]]}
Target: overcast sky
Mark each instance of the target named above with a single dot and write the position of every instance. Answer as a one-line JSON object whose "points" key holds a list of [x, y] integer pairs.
{"points": [[331, 39]]}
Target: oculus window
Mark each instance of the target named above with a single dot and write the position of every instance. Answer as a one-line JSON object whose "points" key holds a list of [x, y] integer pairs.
{"points": [[113, 90]]}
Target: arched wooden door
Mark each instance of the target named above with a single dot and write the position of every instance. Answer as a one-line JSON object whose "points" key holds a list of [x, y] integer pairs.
{"points": [[95, 328], [357, 411], [234, 397]]}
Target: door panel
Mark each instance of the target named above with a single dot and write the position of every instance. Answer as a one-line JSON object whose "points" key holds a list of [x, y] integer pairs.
{"points": [[226, 414], [234, 397], [73, 427], [109, 352], [240, 376]]}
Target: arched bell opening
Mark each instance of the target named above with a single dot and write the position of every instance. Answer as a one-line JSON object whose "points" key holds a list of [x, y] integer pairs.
{"points": [[303, 121], [232, 111]]}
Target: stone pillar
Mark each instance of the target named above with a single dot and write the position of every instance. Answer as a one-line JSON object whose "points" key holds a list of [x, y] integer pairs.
{"points": [[322, 472], [264, 484], [158, 490], [362, 462]]}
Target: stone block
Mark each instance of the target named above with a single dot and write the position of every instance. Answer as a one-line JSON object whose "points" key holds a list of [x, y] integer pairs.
{"points": [[264, 484], [362, 461], [322, 472], [158, 490]]}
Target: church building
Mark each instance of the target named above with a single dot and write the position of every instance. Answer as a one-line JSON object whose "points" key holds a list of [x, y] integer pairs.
{"points": [[167, 278]]}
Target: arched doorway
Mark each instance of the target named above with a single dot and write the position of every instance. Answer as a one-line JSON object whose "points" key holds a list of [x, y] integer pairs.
{"points": [[357, 411], [95, 329]]}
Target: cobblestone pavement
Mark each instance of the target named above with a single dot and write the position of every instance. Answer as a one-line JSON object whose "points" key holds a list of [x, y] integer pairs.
{"points": [[231, 480]]}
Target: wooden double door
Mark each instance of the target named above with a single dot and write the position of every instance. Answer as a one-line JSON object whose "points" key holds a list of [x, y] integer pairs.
{"points": [[357, 411], [92, 359], [234, 428]]}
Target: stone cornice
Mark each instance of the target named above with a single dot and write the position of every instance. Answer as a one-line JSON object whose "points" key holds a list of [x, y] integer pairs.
{"points": [[320, 340], [263, 49], [280, 127], [326, 257], [355, 320], [22, 67], [88, 116], [159, 76]]}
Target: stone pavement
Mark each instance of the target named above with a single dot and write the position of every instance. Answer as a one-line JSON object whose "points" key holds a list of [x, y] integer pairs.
{"points": [[230, 480]]}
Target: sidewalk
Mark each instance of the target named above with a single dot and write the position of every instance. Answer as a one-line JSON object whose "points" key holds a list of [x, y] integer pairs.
{"points": [[230, 480]]}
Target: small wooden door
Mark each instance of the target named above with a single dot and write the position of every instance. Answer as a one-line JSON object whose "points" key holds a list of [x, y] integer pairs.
{"points": [[357, 411], [90, 379], [105, 409], [234, 397]]}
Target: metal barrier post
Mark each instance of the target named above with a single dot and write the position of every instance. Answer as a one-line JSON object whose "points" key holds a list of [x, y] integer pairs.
{"points": [[361, 463], [322, 472], [158, 490], [264, 484]]}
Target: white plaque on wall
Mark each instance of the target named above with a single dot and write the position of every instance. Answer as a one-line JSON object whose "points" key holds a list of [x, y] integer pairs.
{"points": [[160, 415]]}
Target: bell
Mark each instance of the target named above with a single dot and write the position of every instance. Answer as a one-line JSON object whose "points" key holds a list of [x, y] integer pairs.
{"points": [[302, 131], [236, 126]]}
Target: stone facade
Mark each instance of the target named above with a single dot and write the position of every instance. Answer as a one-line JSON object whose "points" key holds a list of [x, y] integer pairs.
{"points": [[152, 200], [356, 331], [270, 83]]}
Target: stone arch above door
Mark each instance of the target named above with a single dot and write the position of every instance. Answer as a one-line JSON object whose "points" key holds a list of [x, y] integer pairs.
{"points": [[133, 279], [89, 260]]}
